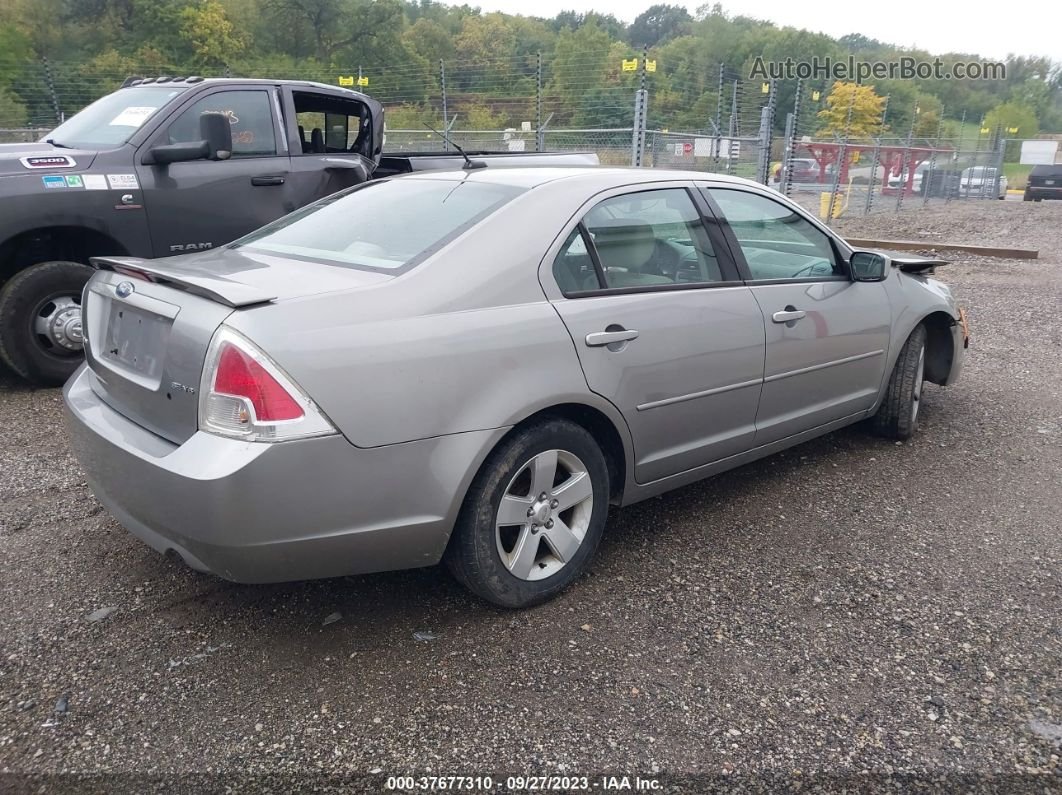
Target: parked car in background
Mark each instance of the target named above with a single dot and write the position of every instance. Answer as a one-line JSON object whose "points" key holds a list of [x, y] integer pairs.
{"points": [[982, 181], [805, 169], [897, 181], [1045, 182], [473, 365]]}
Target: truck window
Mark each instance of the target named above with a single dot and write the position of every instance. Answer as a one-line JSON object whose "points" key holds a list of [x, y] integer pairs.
{"points": [[330, 124], [112, 120], [249, 115]]}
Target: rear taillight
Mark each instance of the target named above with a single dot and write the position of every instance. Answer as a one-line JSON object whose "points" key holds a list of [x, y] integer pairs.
{"points": [[245, 395]]}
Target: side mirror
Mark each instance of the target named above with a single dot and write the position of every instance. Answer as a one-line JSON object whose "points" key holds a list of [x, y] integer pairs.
{"points": [[216, 131], [216, 144], [868, 266]]}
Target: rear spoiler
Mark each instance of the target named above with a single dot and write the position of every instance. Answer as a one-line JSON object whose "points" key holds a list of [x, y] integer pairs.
{"points": [[202, 283]]}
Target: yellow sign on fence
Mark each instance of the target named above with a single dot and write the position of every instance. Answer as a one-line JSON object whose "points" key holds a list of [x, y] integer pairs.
{"points": [[631, 65], [650, 66], [363, 81], [346, 81]]}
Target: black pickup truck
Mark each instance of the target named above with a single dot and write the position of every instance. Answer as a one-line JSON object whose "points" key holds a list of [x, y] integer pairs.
{"points": [[166, 166]]}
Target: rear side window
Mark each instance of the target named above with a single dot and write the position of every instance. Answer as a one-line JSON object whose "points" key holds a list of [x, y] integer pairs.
{"points": [[383, 226], [642, 240]]}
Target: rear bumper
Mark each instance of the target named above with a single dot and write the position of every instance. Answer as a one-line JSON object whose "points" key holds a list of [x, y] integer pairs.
{"points": [[1043, 192], [275, 512]]}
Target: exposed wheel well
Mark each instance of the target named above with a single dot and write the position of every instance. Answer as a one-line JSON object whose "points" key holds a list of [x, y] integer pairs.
{"points": [[69, 243], [604, 432], [940, 347]]}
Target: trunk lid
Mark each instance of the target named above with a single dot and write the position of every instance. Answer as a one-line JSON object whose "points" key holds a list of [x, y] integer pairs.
{"points": [[148, 324]]}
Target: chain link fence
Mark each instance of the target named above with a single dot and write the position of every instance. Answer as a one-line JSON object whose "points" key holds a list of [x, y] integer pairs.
{"points": [[767, 131]]}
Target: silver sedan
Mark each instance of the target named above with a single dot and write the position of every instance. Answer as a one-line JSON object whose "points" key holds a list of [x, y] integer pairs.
{"points": [[472, 366]]}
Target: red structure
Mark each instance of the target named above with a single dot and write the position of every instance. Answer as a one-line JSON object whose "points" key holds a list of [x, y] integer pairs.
{"points": [[891, 158]]}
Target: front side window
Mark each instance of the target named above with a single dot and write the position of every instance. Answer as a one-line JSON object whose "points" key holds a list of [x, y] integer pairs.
{"points": [[777, 241], [249, 116], [389, 225], [653, 238]]}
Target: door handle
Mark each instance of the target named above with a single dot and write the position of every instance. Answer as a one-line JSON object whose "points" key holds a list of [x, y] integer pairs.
{"points": [[790, 314], [263, 182], [599, 338]]}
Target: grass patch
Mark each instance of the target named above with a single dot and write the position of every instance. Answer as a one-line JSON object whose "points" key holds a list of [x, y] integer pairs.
{"points": [[1017, 175]]}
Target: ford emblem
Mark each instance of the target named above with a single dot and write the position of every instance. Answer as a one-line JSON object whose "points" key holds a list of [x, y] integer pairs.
{"points": [[124, 289]]}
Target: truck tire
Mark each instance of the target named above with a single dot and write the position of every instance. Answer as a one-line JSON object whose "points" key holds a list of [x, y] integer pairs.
{"points": [[897, 417], [40, 321]]}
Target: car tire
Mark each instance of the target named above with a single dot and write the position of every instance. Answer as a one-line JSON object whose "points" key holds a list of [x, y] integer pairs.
{"points": [[47, 295], [521, 564], [897, 416]]}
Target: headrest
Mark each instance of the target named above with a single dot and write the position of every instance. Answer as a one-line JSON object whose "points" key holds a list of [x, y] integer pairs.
{"points": [[317, 141], [624, 243]]}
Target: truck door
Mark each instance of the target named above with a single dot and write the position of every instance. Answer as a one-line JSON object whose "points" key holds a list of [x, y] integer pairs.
{"points": [[331, 142], [203, 204]]}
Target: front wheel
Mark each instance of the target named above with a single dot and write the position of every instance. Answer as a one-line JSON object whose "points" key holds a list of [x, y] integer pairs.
{"points": [[533, 515], [40, 321], [897, 417]]}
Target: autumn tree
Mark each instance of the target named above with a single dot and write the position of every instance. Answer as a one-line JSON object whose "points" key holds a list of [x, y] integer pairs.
{"points": [[852, 110]]}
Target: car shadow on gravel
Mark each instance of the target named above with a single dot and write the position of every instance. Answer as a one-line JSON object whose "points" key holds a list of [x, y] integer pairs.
{"points": [[367, 613]]}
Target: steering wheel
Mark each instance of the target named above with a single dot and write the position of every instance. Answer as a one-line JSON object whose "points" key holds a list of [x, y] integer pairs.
{"points": [[808, 270]]}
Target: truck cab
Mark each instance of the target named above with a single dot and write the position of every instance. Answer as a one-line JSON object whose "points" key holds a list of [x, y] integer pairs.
{"points": [[161, 167]]}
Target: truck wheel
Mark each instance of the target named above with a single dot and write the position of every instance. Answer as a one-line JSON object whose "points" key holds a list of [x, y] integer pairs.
{"points": [[897, 417], [40, 321]]}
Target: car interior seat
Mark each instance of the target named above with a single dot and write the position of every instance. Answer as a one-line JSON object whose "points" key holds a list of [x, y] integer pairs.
{"points": [[317, 141], [627, 248]]}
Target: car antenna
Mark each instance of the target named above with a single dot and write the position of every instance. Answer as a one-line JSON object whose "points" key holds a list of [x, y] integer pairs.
{"points": [[469, 162]]}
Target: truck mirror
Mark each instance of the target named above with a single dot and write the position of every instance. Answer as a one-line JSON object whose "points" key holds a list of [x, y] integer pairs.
{"points": [[216, 132]]}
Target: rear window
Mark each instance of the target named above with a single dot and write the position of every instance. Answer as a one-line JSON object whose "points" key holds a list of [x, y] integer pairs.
{"points": [[383, 226]]}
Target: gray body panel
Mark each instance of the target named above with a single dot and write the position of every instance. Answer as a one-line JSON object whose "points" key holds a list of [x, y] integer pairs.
{"points": [[422, 373]]}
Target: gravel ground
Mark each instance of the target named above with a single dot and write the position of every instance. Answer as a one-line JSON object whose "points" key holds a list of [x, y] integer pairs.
{"points": [[847, 611]]}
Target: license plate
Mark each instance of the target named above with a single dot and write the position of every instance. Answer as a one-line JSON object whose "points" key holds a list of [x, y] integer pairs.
{"points": [[136, 340], [1049, 182]]}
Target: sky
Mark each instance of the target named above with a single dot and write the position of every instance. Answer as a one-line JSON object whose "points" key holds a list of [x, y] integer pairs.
{"points": [[992, 30]]}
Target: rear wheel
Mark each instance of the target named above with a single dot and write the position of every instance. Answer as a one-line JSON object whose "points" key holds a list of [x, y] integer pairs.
{"points": [[533, 515], [40, 321], [897, 417]]}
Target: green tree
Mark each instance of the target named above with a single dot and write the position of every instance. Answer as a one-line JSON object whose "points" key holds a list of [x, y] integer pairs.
{"points": [[214, 39], [659, 24], [12, 111], [1014, 119]]}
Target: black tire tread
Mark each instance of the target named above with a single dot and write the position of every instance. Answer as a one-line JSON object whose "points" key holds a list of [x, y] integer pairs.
{"points": [[893, 418], [12, 299], [466, 556]]}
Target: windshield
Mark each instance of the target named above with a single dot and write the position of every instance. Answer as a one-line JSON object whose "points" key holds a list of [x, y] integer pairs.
{"points": [[111, 121], [384, 226]]}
